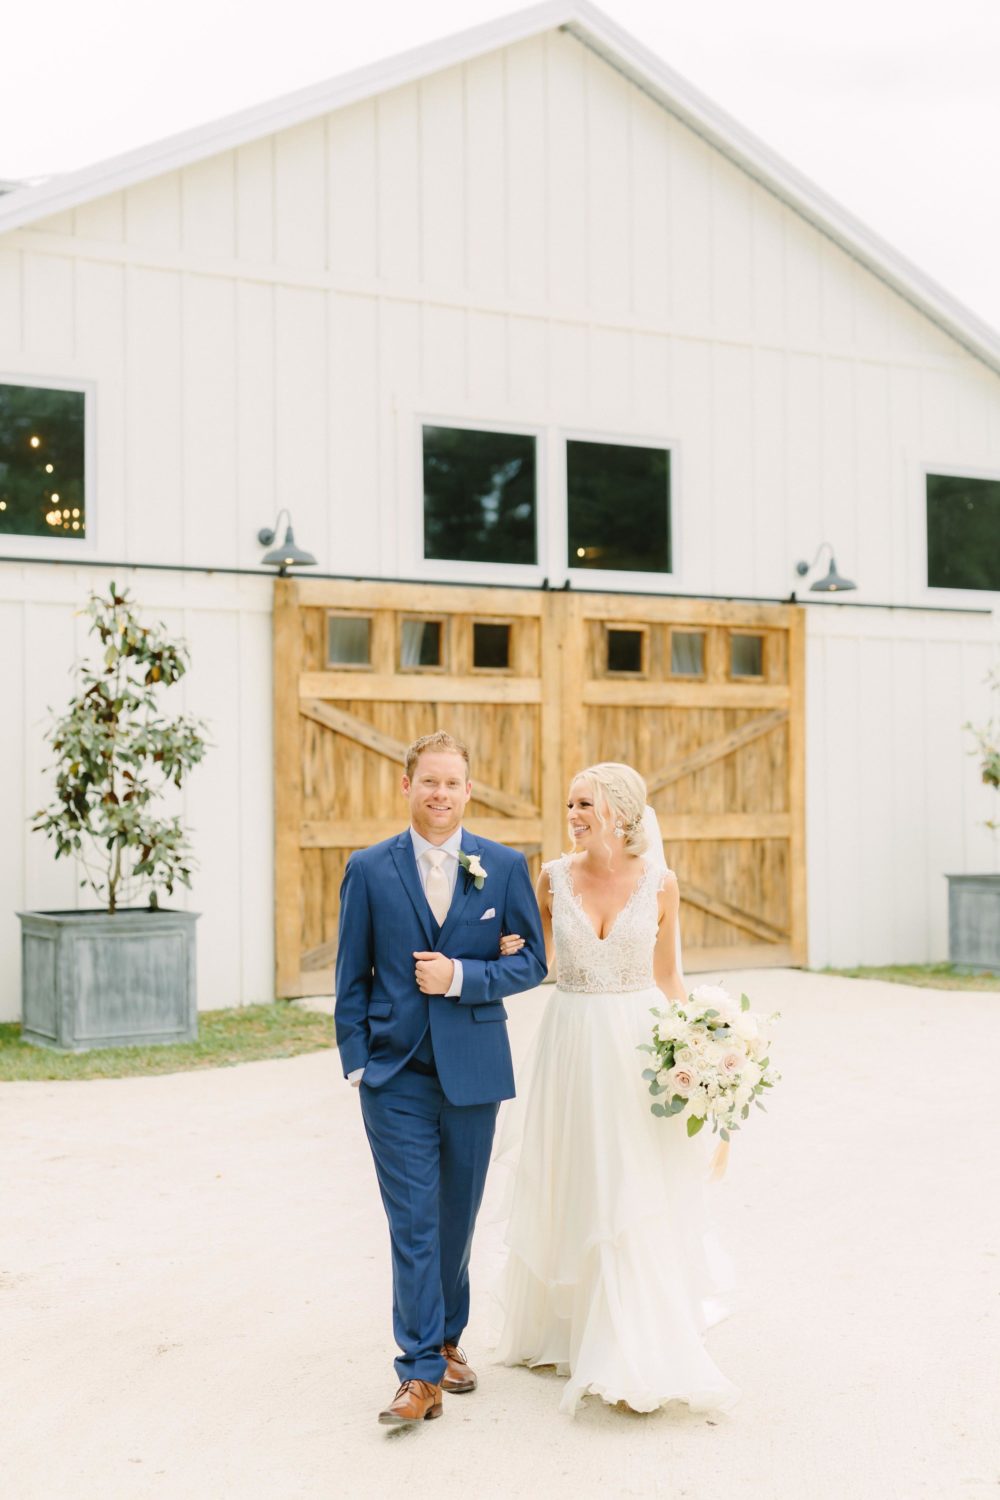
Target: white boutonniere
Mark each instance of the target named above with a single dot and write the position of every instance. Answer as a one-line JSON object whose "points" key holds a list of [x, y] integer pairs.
{"points": [[470, 864]]}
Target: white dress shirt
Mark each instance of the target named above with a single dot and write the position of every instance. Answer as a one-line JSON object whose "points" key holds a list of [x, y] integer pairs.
{"points": [[450, 869]]}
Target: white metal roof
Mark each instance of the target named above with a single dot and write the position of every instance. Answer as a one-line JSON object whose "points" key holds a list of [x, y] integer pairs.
{"points": [[621, 51]]}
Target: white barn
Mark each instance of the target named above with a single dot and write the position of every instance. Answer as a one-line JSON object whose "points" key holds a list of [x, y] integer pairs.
{"points": [[533, 228]]}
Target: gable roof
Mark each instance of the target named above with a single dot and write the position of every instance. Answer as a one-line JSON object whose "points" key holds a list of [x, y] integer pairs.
{"points": [[621, 51]]}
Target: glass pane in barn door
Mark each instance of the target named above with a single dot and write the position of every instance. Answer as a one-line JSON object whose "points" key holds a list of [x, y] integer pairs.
{"points": [[479, 496], [618, 503], [746, 657], [420, 644], [687, 653], [626, 651], [42, 462], [490, 646], [348, 641]]}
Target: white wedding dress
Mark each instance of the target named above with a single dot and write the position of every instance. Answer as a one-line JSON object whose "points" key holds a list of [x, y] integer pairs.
{"points": [[611, 1274]]}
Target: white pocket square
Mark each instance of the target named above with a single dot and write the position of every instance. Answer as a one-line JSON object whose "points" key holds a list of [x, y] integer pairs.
{"points": [[491, 913]]}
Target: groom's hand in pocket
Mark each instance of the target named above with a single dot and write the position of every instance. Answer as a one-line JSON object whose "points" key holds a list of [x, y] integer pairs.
{"points": [[434, 973]]}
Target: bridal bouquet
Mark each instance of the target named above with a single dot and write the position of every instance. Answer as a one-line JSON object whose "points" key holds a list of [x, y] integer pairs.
{"points": [[710, 1057]]}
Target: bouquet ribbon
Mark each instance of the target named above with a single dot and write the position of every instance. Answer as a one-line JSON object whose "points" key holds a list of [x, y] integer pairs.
{"points": [[719, 1162]]}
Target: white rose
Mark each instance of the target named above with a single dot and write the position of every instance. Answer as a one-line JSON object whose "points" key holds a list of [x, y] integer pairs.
{"points": [[698, 1105], [672, 1028], [680, 1081], [749, 1072], [712, 997], [475, 869], [732, 1063], [744, 1023]]}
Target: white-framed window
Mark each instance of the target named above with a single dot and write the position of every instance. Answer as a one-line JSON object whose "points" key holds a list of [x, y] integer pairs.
{"points": [[46, 465], [620, 512], [480, 488], [514, 502], [960, 556]]}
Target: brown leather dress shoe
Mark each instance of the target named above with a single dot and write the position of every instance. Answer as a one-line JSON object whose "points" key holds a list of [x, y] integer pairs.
{"points": [[415, 1401], [458, 1377]]}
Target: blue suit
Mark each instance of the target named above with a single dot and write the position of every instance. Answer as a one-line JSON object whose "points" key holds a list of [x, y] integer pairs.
{"points": [[435, 1068]]}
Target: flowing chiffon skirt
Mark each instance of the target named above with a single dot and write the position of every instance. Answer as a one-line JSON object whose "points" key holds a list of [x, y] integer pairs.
{"points": [[612, 1272]]}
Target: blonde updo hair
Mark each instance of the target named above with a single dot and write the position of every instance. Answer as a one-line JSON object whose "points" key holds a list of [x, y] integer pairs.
{"points": [[623, 792]]}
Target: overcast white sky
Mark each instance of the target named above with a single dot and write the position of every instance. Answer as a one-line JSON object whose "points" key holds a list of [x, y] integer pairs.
{"points": [[891, 106]]}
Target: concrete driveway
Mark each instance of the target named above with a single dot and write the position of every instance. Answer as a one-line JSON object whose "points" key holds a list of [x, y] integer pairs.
{"points": [[194, 1294]]}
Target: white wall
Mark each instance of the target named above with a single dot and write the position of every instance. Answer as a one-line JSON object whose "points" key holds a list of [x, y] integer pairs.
{"points": [[227, 802], [894, 798], [526, 239]]}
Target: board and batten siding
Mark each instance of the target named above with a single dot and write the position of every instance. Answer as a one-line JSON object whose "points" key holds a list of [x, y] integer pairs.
{"points": [[894, 798], [525, 239]]}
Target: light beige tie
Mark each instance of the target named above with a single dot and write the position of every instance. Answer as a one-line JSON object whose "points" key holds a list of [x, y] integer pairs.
{"points": [[438, 887]]}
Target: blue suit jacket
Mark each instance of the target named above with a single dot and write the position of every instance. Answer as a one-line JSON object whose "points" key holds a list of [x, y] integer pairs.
{"points": [[380, 1013]]}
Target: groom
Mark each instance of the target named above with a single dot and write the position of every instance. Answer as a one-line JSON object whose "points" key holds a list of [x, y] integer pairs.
{"points": [[420, 1027]]}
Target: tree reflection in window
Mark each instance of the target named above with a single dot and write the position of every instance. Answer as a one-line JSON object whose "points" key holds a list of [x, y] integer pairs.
{"points": [[42, 462], [618, 499], [479, 496], [963, 532]]}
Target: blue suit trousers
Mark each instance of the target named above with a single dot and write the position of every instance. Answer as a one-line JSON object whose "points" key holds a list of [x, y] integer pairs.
{"points": [[431, 1159]]}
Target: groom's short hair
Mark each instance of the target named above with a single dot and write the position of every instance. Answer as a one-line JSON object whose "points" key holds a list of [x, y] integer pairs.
{"points": [[440, 740]]}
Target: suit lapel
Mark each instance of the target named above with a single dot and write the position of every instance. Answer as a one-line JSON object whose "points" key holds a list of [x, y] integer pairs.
{"points": [[406, 866], [463, 890]]}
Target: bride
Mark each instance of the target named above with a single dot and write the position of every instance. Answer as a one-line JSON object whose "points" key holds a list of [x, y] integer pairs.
{"points": [[607, 1275]]}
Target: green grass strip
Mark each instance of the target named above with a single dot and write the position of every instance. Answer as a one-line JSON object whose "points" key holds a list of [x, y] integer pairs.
{"points": [[225, 1037], [926, 976]]}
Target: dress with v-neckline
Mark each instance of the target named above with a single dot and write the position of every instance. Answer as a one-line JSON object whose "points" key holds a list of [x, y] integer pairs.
{"points": [[577, 899], [622, 960]]}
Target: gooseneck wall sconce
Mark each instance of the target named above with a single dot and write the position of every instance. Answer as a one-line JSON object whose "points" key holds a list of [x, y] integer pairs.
{"points": [[832, 583], [286, 555]]}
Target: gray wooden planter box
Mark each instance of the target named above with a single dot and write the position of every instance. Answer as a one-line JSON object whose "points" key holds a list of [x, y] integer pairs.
{"points": [[90, 979], [974, 921]]}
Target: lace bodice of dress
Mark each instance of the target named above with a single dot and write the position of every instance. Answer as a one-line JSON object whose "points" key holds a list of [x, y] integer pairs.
{"points": [[622, 961]]}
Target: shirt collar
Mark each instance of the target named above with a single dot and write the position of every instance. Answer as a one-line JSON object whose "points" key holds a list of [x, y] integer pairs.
{"points": [[450, 846]]}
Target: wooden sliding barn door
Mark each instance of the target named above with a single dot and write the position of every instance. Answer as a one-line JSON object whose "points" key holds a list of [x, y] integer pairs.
{"points": [[362, 670], [705, 699]]}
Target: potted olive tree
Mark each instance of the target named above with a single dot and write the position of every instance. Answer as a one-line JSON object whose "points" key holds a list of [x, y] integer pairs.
{"points": [[123, 974], [974, 900]]}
